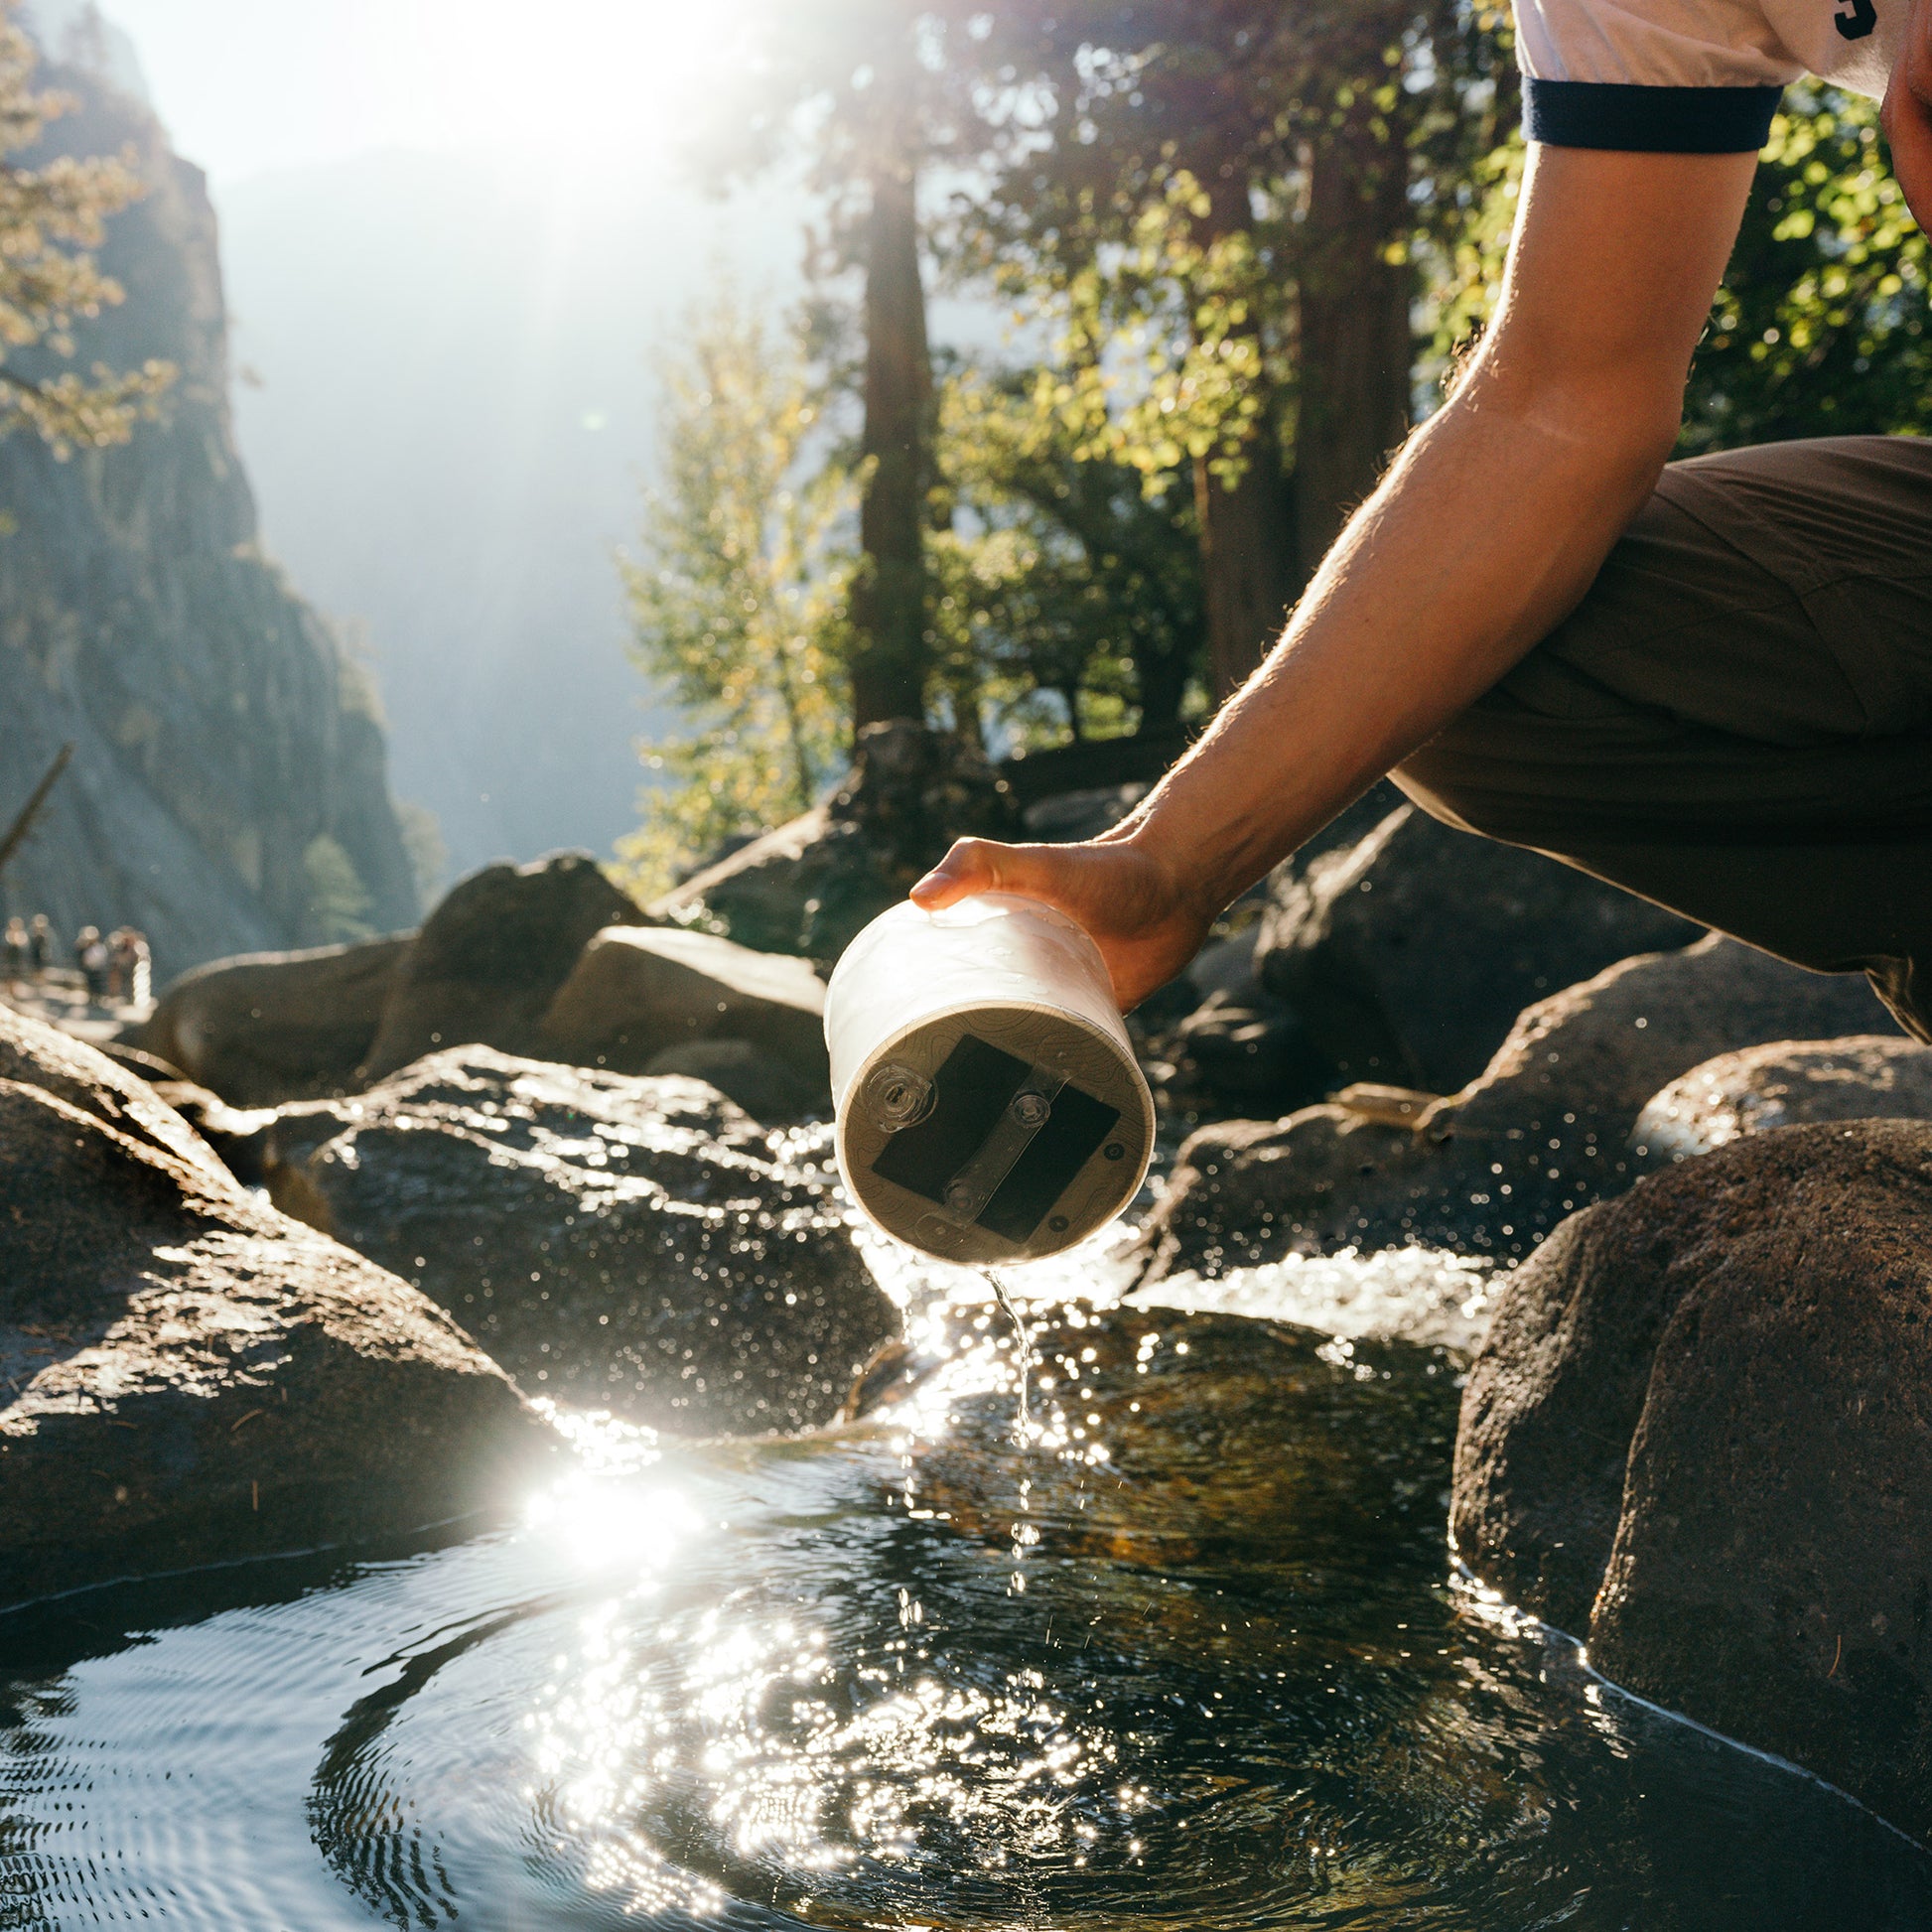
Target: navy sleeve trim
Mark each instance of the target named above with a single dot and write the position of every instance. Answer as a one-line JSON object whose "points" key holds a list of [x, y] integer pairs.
{"points": [[1648, 121]]}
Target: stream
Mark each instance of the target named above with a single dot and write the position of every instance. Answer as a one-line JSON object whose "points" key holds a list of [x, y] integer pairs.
{"points": [[1185, 1652]]}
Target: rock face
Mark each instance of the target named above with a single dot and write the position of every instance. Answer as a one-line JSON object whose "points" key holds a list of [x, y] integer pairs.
{"points": [[810, 886], [189, 1377], [1406, 953], [1493, 1169], [659, 999], [618, 1243], [1786, 1084], [491, 957], [227, 792], [270, 1027], [1701, 1432]]}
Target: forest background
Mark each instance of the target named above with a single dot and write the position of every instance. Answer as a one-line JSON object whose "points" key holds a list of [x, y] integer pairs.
{"points": [[1242, 247]]}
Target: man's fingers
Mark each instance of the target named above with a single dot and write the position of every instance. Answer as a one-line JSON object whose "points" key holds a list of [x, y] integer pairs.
{"points": [[968, 868], [982, 866]]}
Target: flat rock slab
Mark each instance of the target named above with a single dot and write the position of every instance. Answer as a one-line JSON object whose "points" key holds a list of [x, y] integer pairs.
{"points": [[1493, 1169], [619, 1243], [189, 1377], [1699, 1433]]}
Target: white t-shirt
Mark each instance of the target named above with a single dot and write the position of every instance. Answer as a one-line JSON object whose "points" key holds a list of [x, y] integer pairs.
{"points": [[1693, 77]]}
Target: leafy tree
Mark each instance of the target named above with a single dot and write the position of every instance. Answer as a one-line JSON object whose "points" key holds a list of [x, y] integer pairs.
{"points": [[738, 596], [1820, 328], [50, 218], [1821, 325], [859, 84], [1220, 201], [426, 848], [1063, 575], [337, 902]]}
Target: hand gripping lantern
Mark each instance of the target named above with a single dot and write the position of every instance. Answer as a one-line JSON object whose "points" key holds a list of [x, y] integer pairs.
{"points": [[989, 1108]]}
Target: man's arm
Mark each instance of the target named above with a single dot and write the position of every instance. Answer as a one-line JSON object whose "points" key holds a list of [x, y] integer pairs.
{"points": [[1908, 112], [1487, 531]]}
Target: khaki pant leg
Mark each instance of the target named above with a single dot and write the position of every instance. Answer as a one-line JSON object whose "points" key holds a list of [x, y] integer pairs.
{"points": [[1736, 720]]}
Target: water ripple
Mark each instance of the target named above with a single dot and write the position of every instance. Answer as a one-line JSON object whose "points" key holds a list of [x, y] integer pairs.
{"points": [[1184, 1655]]}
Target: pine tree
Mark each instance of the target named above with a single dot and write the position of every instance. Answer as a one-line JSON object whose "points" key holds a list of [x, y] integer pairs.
{"points": [[50, 216]]}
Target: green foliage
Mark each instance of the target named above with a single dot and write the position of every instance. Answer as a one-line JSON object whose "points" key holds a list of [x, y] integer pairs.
{"points": [[1061, 575], [427, 849], [337, 903], [737, 597], [1820, 328], [1151, 192], [50, 218]]}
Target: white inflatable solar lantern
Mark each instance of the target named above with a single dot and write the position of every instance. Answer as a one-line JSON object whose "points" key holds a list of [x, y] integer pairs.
{"points": [[990, 1106]]}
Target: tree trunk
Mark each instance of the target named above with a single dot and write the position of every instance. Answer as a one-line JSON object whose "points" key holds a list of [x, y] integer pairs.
{"points": [[1356, 340], [1161, 678], [889, 601], [1249, 573], [1248, 560]]}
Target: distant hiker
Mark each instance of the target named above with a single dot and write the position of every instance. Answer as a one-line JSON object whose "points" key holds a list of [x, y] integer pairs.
{"points": [[91, 955], [40, 944], [1709, 682], [131, 971], [16, 952]]}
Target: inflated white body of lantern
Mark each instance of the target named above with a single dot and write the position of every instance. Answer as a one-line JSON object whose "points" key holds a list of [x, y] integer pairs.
{"points": [[990, 1106]]}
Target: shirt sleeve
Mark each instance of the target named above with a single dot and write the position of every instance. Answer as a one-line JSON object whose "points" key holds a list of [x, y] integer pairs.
{"points": [[1665, 77]]}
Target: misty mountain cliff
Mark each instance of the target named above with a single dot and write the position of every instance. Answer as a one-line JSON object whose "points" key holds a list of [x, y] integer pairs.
{"points": [[450, 410], [229, 790]]}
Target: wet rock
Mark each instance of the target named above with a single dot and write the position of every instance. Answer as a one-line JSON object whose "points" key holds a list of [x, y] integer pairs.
{"points": [[620, 1243], [238, 1137], [659, 999], [1493, 1169], [1701, 1432], [188, 1376], [1408, 953], [270, 1027], [1786, 1084], [1226, 1440], [810, 886], [492, 956]]}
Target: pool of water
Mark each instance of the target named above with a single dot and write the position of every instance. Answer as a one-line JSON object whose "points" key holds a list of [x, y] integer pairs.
{"points": [[1183, 1653]]}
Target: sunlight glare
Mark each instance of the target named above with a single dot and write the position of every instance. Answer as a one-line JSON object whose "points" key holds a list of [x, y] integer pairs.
{"points": [[579, 83], [603, 1523]]}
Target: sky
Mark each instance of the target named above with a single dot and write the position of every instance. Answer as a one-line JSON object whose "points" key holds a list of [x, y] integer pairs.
{"points": [[246, 87]]}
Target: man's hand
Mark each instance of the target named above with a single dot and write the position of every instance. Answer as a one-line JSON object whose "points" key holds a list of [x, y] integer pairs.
{"points": [[1143, 920], [1907, 114]]}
